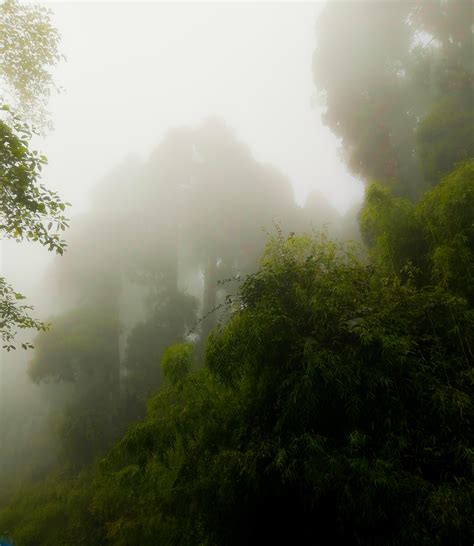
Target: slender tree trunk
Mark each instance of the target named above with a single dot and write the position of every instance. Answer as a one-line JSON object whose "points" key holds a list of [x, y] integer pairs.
{"points": [[210, 293], [172, 272], [109, 298]]}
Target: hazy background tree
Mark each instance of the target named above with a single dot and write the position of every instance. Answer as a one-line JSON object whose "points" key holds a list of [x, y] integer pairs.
{"points": [[400, 97], [28, 210], [233, 200], [206, 388]]}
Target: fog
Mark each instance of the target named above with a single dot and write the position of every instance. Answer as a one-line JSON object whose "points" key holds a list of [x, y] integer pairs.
{"points": [[133, 71], [193, 144]]}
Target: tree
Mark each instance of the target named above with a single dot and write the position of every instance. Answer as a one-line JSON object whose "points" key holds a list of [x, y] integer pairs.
{"points": [[164, 183], [445, 136], [232, 201], [78, 356], [336, 402], [28, 211], [168, 321], [397, 83], [29, 51], [447, 216], [359, 66], [432, 241], [352, 384]]}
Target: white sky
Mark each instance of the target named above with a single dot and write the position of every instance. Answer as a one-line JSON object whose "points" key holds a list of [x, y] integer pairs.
{"points": [[133, 70]]}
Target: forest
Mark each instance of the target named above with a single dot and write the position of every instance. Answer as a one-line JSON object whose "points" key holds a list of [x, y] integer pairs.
{"points": [[220, 364]]}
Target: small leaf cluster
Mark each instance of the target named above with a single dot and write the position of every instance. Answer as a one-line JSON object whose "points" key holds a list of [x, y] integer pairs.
{"points": [[28, 211], [14, 316]]}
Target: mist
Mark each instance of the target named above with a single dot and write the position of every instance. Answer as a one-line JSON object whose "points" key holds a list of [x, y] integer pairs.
{"points": [[260, 204]]}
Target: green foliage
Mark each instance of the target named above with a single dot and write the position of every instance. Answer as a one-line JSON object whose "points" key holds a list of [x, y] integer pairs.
{"points": [[357, 401], [447, 214], [336, 404], [166, 324], [28, 211], [436, 236], [81, 351], [177, 362], [155, 461], [445, 137], [79, 345], [14, 315], [29, 49], [396, 79], [361, 69], [87, 425], [392, 229], [55, 512]]}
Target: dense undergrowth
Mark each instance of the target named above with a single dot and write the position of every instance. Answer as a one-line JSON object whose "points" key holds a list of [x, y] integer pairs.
{"points": [[334, 404]]}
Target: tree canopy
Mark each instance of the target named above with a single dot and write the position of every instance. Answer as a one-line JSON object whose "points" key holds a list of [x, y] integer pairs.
{"points": [[326, 393], [28, 210], [396, 79], [336, 403]]}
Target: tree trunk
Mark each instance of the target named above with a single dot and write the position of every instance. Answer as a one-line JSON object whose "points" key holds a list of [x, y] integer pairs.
{"points": [[210, 293]]}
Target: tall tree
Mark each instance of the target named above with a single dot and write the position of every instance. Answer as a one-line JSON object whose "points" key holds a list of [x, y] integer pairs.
{"points": [[445, 136], [93, 278], [431, 241], [397, 83], [233, 199], [156, 262], [28, 210], [165, 180], [79, 357]]}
